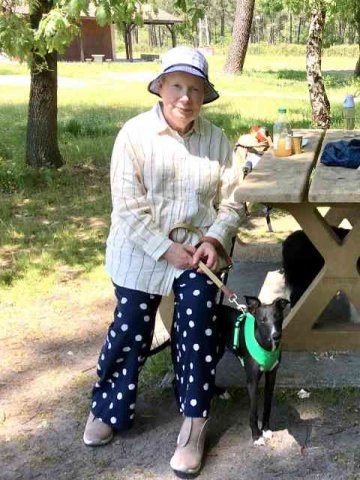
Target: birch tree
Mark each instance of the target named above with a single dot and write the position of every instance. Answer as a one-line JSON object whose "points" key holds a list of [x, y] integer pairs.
{"points": [[319, 101]]}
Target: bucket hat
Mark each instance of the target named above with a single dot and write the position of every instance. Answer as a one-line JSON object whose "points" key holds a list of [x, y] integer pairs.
{"points": [[188, 60]]}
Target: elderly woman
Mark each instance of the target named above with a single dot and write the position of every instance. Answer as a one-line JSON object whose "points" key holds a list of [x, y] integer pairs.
{"points": [[172, 185]]}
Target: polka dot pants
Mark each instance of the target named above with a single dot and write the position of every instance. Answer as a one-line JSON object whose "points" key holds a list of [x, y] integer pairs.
{"points": [[194, 345]]}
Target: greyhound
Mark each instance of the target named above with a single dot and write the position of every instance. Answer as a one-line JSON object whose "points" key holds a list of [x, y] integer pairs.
{"points": [[257, 335]]}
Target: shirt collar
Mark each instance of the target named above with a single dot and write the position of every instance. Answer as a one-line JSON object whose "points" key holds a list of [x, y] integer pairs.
{"points": [[161, 125]]}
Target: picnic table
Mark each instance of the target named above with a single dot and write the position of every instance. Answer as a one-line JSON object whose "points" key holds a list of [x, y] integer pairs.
{"points": [[302, 185]]}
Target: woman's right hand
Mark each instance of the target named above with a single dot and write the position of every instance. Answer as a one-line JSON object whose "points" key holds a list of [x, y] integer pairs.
{"points": [[180, 255]]}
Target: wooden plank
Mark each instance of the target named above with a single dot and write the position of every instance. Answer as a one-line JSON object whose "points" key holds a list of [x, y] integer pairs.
{"points": [[335, 185], [282, 179], [323, 340]]}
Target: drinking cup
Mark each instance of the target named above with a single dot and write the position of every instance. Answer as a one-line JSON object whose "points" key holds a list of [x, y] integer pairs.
{"points": [[296, 141]]}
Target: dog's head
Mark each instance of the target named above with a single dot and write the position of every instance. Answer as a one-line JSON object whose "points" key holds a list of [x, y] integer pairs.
{"points": [[268, 319]]}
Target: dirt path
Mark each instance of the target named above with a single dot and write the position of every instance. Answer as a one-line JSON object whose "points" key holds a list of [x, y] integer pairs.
{"points": [[316, 439], [50, 347]]}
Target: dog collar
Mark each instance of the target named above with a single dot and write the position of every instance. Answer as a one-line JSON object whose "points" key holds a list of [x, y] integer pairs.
{"points": [[265, 358]]}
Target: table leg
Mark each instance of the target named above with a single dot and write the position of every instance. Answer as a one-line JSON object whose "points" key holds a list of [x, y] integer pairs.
{"points": [[339, 273], [334, 216]]}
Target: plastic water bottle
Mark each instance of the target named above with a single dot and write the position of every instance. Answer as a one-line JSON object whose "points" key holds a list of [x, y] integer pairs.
{"points": [[349, 112], [282, 135]]}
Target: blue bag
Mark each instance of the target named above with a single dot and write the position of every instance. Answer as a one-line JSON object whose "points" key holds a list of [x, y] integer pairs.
{"points": [[342, 153]]}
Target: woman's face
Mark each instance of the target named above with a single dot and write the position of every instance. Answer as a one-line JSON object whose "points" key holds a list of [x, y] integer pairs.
{"points": [[182, 95]]}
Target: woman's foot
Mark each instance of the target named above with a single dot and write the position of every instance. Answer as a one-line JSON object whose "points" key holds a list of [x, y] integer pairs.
{"points": [[187, 459], [97, 432]]}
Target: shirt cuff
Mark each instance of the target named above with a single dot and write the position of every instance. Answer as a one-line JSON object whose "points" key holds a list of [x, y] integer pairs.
{"points": [[157, 246]]}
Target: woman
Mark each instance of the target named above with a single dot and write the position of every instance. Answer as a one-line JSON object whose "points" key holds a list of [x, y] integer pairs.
{"points": [[172, 184]]}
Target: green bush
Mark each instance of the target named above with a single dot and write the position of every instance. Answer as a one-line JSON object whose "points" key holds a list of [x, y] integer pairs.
{"points": [[4, 151], [342, 51], [91, 126], [12, 176]]}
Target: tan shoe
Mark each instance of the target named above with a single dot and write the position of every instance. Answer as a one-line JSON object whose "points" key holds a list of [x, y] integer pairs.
{"points": [[188, 455], [97, 432]]}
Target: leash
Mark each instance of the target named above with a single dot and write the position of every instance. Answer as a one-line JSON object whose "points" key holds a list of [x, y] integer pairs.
{"points": [[230, 294], [266, 359]]}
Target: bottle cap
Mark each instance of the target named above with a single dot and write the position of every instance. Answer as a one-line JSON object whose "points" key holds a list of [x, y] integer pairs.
{"points": [[282, 110]]}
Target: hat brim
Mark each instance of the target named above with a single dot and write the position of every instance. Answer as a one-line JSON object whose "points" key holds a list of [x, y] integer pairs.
{"points": [[210, 94]]}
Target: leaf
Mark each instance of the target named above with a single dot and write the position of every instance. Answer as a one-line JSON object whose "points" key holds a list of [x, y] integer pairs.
{"points": [[101, 15]]}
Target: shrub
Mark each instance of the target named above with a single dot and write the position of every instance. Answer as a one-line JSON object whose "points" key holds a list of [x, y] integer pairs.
{"points": [[88, 126]]}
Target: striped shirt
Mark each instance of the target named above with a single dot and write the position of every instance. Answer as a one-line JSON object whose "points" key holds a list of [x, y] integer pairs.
{"points": [[158, 179]]}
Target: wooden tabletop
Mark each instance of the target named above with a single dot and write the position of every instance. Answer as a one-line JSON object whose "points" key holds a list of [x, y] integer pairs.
{"points": [[282, 179], [300, 178], [335, 185]]}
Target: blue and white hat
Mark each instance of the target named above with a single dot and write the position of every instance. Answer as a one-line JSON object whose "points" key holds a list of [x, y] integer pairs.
{"points": [[188, 60]]}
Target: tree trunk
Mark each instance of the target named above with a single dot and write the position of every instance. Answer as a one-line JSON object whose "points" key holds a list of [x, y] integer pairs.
{"points": [[222, 21], [41, 139], [299, 29], [240, 36], [357, 68], [319, 101], [290, 27], [357, 19], [126, 41]]}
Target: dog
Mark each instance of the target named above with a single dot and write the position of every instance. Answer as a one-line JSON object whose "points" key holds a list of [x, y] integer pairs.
{"points": [[301, 262], [267, 332]]}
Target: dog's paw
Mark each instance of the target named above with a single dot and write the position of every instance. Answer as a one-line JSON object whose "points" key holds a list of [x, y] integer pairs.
{"points": [[267, 434], [225, 396], [259, 442]]}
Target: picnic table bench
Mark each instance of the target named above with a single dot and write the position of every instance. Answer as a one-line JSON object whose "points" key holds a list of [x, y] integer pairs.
{"points": [[300, 184]]}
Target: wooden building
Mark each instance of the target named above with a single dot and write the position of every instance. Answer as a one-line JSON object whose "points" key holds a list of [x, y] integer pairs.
{"points": [[100, 41], [93, 40], [152, 17]]}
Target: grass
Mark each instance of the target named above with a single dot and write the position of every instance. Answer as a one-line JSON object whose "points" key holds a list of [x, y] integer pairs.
{"points": [[53, 224]]}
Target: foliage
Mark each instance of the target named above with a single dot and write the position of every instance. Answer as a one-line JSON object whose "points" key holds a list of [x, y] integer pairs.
{"points": [[51, 28], [16, 36], [21, 35], [55, 32], [272, 20]]}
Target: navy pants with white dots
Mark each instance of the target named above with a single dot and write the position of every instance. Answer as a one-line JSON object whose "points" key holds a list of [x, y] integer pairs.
{"points": [[194, 344]]}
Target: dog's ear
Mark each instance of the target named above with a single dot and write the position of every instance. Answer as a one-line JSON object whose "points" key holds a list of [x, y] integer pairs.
{"points": [[281, 303], [253, 303]]}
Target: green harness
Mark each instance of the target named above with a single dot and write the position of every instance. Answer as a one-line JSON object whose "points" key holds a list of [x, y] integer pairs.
{"points": [[266, 359]]}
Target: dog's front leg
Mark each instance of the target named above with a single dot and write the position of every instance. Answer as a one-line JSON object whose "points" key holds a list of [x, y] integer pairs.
{"points": [[270, 378], [253, 378]]}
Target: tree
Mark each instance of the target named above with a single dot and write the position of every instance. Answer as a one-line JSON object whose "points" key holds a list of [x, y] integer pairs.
{"points": [[240, 36], [320, 104], [35, 31], [357, 22], [350, 10], [272, 10]]}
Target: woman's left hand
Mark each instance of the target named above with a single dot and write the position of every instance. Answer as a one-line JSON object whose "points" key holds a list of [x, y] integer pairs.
{"points": [[206, 252]]}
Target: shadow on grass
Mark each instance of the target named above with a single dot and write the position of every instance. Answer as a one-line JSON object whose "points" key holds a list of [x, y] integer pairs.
{"points": [[52, 218], [332, 78]]}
